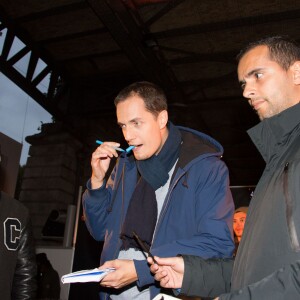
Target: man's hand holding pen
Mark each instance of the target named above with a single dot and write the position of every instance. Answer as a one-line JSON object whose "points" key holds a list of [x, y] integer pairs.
{"points": [[100, 162], [101, 159], [168, 271]]}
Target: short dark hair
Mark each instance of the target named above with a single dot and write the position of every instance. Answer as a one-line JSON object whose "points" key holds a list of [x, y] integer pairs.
{"points": [[153, 96], [282, 50]]}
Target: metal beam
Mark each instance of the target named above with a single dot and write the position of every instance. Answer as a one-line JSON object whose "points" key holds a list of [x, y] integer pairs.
{"points": [[132, 40], [29, 81], [21, 81], [167, 7], [241, 22]]}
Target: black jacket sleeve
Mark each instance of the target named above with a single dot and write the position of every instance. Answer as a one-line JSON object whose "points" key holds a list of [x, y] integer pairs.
{"points": [[206, 277], [24, 283], [282, 284]]}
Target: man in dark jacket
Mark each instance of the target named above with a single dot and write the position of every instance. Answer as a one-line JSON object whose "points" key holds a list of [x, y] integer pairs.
{"points": [[173, 191], [17, 253], [47, 279], [268, 259]]}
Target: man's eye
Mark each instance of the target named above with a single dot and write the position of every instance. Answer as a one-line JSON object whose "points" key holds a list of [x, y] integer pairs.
{"points": [[258, 75]]}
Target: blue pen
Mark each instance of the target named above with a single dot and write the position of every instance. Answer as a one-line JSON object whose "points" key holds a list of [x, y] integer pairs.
{"points": [[129, 148], [116, 148]]}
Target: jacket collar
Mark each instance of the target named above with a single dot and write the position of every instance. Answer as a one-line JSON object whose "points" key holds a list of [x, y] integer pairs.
{"points": [[273, 135]]}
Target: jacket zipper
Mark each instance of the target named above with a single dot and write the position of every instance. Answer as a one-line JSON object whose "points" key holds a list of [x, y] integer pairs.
{"points": [[106, 295], [165, 206], [289, 211], [109, 209]]}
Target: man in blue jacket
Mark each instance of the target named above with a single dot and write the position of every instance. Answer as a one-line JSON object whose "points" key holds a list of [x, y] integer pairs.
{"points": [[172, 190]]}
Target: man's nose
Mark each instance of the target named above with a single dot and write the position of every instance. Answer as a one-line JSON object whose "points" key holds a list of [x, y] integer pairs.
{"points": [[128, 134], [249, 91]]}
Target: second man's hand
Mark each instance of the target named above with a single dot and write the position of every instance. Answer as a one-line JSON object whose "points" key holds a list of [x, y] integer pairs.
{"points": [[168, 271]]}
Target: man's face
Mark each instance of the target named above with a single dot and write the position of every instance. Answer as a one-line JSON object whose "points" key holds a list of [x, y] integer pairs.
{"points": [[141, 128], [268, 87], [239, 220]]}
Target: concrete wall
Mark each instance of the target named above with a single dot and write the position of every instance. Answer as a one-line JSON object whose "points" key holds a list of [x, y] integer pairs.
{"points": [[50, 180]]}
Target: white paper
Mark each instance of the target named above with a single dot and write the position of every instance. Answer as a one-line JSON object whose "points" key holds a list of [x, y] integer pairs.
{"points": [[93, 275]]}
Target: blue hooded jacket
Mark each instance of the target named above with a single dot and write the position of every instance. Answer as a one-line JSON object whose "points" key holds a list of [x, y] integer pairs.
{"points": [[196, 217]]}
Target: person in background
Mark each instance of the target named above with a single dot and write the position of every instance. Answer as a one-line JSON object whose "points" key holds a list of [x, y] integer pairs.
{"points": [[172, 190], [47, 279], [17, 252], [267, 264], [239, 219]]}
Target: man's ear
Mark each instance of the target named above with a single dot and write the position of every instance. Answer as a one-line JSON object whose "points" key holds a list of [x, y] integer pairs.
{"points": [[296, 72], [163, 118]]}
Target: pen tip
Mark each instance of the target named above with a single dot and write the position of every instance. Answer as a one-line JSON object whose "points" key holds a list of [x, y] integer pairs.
{"points": [[129, 148]]}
